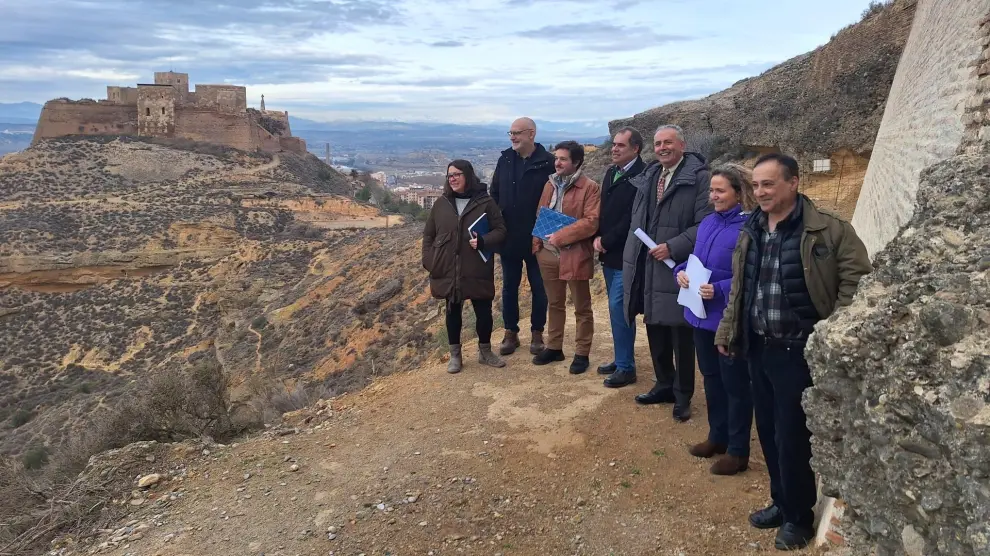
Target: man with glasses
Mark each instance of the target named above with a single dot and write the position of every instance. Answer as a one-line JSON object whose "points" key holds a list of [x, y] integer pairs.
{"points": [[517, 184]]}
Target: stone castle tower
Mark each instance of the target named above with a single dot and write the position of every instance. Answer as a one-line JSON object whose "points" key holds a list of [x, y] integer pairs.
{"points": [[167, 108]]}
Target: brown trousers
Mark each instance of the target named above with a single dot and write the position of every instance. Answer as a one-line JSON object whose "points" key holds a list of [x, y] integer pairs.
{"points": [[557, 300]]}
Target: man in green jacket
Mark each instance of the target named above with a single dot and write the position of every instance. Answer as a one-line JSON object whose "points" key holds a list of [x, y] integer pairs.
{"points": [[792, 267]]}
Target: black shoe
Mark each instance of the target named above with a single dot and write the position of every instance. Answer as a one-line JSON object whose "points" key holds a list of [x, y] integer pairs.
{"points": [[792, 536], [618, 379], [607, 369], [656, 396], [579, 365], [548, 356], [770, 517], [682, 413]]}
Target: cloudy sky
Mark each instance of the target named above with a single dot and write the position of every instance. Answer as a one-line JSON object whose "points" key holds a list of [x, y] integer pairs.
{"points": [[415, 60]]}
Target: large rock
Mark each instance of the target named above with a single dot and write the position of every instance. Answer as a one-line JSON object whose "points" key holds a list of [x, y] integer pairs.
{"points": [[900, 410]]}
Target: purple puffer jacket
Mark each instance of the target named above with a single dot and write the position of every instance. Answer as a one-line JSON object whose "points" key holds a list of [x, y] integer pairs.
{"points": [[717, 237]]}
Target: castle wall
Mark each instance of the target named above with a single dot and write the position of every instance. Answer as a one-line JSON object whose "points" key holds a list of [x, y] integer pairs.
{"points": [[229, 99], [122, 95], [59, 118], [923, 121], [198, 124], [156, 110], [292, 144], [263, 139], [213, 114]]}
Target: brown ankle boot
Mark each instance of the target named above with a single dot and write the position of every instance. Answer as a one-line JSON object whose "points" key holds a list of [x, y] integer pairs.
{"points": [[509, 343], [536, 346], [730, 465], [707, 449]]}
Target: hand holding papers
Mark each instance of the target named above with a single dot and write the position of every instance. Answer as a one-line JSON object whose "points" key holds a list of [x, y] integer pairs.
{"points": [[652, 245], [550, 221], [690, 297], [480, 227]]}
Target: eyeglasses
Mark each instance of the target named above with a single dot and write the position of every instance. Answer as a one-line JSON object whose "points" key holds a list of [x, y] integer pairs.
{"points": [[518, 133], [453, 175]]}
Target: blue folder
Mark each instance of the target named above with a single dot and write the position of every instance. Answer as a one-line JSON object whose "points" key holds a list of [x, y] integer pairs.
{"points": [[549, 221], [481, 227]]}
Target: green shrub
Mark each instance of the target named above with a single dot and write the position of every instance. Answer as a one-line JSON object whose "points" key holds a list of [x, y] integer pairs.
{"points": [[35, 457], [21, 418]]}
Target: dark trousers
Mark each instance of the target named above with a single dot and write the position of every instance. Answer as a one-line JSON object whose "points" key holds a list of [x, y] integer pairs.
{"points": [[727, 391], [512, 269], [780, 375], [672, 352], [483, 321]]}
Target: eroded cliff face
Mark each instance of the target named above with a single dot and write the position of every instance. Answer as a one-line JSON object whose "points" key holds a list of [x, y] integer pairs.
{"points": [[123, 258], [900, 410]]}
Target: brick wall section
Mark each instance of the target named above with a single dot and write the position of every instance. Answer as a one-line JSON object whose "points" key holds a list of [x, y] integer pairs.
{"points": [[923, 119], [234, 130], [976, 119], [59, 118]]}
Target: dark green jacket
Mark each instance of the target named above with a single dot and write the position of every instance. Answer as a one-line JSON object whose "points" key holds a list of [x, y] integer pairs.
{"points": [[834, 260]]}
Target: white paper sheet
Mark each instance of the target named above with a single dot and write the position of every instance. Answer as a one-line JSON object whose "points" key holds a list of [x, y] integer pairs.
{"points": [[652, 245], [690, 296]]}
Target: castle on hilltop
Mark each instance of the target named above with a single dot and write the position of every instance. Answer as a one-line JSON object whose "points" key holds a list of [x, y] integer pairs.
{"points": [[211, 113]]}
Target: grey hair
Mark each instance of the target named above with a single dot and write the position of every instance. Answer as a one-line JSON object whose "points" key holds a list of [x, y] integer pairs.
{"points": [[677, 129]]}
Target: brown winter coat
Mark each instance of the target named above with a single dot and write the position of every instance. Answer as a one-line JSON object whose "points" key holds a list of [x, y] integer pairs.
{"points": [[457, 272], [582, 200]]}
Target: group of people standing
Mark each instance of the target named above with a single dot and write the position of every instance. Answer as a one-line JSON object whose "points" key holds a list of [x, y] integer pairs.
{"points": [[778, 266]]}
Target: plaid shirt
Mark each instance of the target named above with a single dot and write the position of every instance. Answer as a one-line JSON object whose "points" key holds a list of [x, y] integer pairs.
{"points": [[771, 314]]}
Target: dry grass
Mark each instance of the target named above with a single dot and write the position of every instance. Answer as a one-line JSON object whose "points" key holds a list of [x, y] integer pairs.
{"points": [[35, 505]]}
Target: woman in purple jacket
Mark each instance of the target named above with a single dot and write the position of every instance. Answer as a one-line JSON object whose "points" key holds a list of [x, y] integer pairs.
{"points": [[727, 389]]}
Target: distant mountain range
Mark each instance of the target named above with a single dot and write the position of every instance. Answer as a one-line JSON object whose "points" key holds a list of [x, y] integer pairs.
{"points": [[20, 113], [365, 132]]}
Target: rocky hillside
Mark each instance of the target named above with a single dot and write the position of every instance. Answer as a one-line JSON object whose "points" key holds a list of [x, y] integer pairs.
{"points": [[909, 411], [794, 105], [121, 259]]}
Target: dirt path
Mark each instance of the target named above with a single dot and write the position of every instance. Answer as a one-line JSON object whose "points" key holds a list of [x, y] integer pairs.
{"points": [[522, 460]]}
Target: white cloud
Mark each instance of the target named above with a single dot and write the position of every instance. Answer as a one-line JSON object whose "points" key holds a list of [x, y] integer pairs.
{"points": [[487, 60]]}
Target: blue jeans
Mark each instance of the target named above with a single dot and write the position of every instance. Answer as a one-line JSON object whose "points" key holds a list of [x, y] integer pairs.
{"points": [[511, 279], [727, 391], [623, 335]]}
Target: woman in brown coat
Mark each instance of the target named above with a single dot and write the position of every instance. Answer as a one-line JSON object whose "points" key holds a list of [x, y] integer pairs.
{"points": [[460, 262], [567, 257]]}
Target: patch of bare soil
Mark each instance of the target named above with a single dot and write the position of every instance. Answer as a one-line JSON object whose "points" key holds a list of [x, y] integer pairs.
{"points": [[521, 460]]}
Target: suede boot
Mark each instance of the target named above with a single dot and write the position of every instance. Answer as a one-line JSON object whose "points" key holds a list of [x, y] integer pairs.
{"points": [[454, 365], [486, 357]]}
